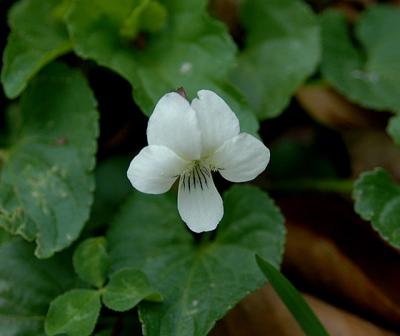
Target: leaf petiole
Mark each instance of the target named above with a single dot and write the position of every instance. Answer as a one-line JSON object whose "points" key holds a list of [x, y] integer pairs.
{"points": [[344, 186]]}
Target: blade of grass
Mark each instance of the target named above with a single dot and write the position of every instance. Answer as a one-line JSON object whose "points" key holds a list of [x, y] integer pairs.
{"points": [[293, 300]]}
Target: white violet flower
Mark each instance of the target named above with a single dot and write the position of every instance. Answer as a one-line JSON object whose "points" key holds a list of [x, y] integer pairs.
{"points": [[189, 142]]}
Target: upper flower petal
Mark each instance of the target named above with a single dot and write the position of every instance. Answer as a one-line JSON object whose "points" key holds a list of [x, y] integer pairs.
{"points": [[241, 158], [155, 169], [216, 120], [174, 124], [199, 203]]}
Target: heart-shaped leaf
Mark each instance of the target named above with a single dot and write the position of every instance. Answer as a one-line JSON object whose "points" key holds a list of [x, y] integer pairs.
{"points": [[127, 287], [368, 75], [46, 182], [282, 49], [394, 128], [192, 51], [378, 200], [91, 261], [201, 281], [28, 285], [38, 35], [74, 313]]}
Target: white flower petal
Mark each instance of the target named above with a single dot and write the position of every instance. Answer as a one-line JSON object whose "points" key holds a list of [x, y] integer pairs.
{"points": [[241, 159], [155, 169], [199, 203], [173, 124], [216, 120]]}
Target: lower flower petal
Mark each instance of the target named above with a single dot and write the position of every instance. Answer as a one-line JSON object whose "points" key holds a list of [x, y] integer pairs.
{"points": [[241, 158], [199, 203], [155, 169]]}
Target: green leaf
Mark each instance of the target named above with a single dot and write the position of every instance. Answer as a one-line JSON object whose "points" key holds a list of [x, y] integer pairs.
{"points": [[370, 74], [282, 49], [192, 50], [127, 287], [238, 104], [27, 287], [394, 128], [46, 182], [199, 282], [377, 199], [146, 16], [74, 313], [299, 308], [112, 186], [154, 17], [4, 236], [37, 37], [91, 261]]}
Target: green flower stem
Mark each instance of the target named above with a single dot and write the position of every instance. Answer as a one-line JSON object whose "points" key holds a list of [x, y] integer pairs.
{"points": [[322, 185]]}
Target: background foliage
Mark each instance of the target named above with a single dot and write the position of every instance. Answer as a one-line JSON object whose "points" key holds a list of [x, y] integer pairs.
{"points": [[81, 253]]}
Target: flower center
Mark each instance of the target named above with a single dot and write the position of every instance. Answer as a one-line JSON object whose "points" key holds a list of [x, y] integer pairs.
{"points": [[197, 175]]}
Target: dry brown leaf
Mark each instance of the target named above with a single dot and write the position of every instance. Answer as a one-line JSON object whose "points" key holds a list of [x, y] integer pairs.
{"points": [[339, 322], [363, 130], [330, 108], [263, 313], [319, 262], [362, 3], [331, 251], [228, 12], [353, 8], [372, 148], [352, 13]]}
